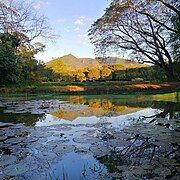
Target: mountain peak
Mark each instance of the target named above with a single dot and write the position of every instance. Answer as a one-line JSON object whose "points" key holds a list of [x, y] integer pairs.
{"points": [[70, 56], [80, 63]]}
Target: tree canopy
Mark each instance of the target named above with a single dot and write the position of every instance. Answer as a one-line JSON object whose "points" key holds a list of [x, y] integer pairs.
{"points": [[141, 28]]}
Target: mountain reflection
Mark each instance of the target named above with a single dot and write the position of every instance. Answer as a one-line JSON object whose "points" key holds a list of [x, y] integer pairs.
{"points": [[114, 107], [93, 108]]}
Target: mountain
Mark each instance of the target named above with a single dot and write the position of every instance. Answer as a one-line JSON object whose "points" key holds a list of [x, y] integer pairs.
{"points": [[74, 63], [71, 62], [127, 63]]}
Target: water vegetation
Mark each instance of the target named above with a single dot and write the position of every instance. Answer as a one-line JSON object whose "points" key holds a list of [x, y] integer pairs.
{"points": [[142, 146]]}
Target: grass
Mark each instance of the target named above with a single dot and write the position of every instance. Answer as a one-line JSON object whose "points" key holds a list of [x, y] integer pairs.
{"points": [[83, 88]]}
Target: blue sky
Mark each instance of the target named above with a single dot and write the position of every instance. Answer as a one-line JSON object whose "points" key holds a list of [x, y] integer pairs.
{"points": [[70, 19]]}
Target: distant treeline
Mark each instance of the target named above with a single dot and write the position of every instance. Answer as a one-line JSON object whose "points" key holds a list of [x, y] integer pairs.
{"points": [[111, 73]]}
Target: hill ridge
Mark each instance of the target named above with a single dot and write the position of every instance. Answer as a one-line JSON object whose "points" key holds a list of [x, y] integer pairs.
{"points": [[72, 62]]}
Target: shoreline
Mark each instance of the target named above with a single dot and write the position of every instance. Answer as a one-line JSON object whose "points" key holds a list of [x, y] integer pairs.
{"points": [[163, 96], [93, 88]]}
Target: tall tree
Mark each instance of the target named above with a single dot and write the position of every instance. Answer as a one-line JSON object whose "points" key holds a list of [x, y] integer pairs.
{"points": [[141, 28], [176, 36], [20, 25]]}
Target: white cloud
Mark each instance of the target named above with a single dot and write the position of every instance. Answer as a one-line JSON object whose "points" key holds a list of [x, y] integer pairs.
{"points": [[39, 4], [81, 20]]}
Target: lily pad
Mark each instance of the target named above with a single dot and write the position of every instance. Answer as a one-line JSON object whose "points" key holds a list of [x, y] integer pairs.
{"points": [[7, 159], [81, 150], [15, 140], [85, 139], [98, 150], [63, 149], [2, 138], [15, 169]]}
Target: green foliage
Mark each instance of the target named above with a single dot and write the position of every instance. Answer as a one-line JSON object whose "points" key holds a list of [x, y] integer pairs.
{"points": [[45, 74], [12, 39], [17, 63], [20, 26], [29, 69], [113, 72], [176, 66], [152, 74], [9, 63], [70, 68]]}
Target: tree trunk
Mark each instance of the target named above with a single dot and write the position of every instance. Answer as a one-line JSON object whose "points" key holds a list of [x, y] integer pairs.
{"points": [[170, 73]]}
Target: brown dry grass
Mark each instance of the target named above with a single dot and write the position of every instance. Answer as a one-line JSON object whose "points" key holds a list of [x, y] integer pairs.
{"points": [[74, 88], [148, 86], [95, 88]]}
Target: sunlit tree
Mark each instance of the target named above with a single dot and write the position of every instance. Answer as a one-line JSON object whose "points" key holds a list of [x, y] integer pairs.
{"points": [[93, 74], [106, 73]]}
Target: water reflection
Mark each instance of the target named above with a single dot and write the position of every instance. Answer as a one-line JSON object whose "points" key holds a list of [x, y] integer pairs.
{"points": [[99, 108], [76, 166], [170, 110], [115, 106], [81, 108], [27, 119], [98, 138]]}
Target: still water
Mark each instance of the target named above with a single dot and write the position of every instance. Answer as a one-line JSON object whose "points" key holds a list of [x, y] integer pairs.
{"points": [[91, 137]]}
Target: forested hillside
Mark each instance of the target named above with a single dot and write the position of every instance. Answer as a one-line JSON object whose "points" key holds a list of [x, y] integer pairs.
{"points": [[70, 68]]}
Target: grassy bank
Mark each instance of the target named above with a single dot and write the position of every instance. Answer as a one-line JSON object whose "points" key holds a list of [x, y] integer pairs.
{"points": [[84, 88], [78, 99]]}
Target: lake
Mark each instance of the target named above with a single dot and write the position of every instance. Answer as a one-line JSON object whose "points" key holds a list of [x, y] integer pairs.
{"points": [[90, 137]]}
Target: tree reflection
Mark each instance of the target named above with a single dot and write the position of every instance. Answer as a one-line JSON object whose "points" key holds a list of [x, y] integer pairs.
{"points": [[170, 110], [150, 146]]}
